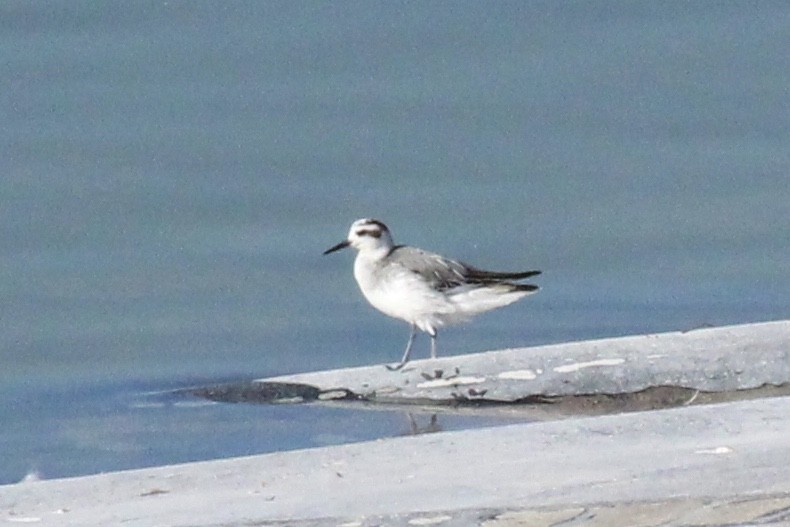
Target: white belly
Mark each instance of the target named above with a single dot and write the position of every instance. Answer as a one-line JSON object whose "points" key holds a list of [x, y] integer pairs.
{"points": [[402, 294]]}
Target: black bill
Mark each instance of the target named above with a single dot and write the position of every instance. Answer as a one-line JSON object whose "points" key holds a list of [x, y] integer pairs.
{"points": [[341, 245]]}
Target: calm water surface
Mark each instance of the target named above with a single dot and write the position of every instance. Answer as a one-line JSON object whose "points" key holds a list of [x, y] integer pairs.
{"points": [[172, 171]]}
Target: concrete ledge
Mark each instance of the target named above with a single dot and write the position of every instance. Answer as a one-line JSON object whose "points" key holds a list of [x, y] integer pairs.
{"points": [[715, 454], [711, 360], [712, 465], [772, 510]]}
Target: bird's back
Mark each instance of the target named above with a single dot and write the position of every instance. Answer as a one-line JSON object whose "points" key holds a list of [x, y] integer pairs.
{"points": [[445, 290]]}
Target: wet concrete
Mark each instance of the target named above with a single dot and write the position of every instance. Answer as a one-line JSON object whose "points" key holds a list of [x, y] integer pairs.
{"points": [[706, 465], [696, 435], [593, 377]]}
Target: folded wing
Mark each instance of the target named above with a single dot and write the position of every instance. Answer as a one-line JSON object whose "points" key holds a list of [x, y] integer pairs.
{"points": [[443, 273]]}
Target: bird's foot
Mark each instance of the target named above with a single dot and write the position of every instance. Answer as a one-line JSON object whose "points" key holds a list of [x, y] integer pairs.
{"points": [[439, 374]]}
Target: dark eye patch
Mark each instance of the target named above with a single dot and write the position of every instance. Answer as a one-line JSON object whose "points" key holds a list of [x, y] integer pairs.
{"points": [[377, 223], [374, 233]]}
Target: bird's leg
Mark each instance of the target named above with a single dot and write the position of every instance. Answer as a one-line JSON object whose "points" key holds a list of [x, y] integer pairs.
{"points": [[406, 353], [437, 374], [433, 343]]}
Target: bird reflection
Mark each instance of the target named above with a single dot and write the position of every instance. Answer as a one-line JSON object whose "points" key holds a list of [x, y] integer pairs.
{"points": [[428, 428]]}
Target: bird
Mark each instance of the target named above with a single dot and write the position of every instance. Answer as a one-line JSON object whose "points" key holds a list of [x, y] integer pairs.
{"points": [[423, 288]]}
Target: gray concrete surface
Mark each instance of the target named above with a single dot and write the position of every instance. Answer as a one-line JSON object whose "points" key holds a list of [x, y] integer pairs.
{"points": [[723, 454], [709, 360], [726, 463], [772, 510]]}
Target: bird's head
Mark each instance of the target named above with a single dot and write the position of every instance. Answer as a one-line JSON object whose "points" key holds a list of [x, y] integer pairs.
{"points": [[365, 235]]}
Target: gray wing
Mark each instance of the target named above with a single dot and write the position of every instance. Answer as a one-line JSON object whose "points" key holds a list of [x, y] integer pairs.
{"points": [[443, 273], [440, 272]]}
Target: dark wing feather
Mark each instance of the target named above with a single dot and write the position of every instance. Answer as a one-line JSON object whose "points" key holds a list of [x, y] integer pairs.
{"points": [[479, 274], [444, 273]]}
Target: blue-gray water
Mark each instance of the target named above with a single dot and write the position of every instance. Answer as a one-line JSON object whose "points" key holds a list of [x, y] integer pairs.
{"points": [[172, 171]]}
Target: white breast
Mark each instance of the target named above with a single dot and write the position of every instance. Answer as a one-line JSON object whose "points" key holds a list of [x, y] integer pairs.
{"points": [[402, 294]]}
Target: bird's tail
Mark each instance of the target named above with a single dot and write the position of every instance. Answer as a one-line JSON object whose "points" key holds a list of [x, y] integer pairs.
{"points": [[474, 273], [530, 288], [472, 300]]}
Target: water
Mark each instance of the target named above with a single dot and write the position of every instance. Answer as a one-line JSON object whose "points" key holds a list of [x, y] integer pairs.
{"points": [[172, 171]]}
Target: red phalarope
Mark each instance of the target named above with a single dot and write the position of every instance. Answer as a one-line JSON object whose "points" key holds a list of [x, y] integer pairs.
{"points": [[425, 289]]}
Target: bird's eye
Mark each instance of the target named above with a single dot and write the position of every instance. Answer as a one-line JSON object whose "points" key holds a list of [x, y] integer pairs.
{"points": [[373, 233]]}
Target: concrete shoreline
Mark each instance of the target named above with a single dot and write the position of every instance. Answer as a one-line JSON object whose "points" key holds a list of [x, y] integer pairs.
{"points": [[724, 359], [711, 464]]}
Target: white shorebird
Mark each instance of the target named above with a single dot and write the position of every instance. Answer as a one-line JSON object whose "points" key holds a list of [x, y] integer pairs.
{"points": [[425, 289]]}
